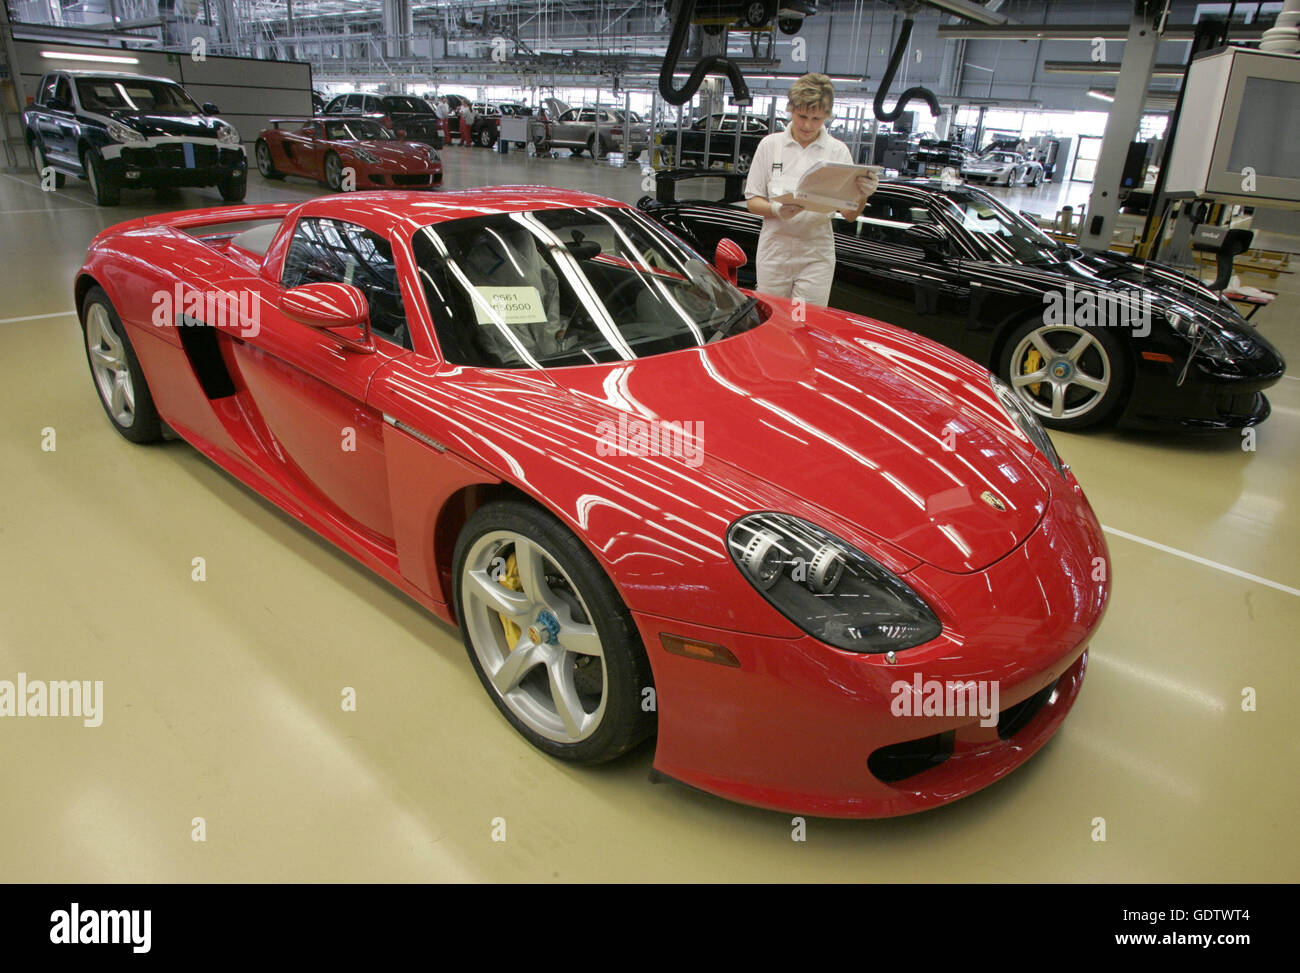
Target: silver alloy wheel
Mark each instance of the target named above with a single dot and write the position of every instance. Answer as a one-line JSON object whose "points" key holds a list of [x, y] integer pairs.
{"points": [[108, 362], [264, 159], [334, 173], [1074, 366], [540, 677]]}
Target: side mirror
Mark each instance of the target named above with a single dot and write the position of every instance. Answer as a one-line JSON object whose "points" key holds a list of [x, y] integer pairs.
{"points": [[729, 258], [929, 238], [330, 306], [210, 109]]}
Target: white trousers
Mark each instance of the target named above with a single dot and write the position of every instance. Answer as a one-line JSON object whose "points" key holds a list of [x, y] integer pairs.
{"points": [[797, 261]]}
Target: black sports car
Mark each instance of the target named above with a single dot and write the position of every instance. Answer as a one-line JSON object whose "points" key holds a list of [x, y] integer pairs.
{"points": [[1082, 336]]}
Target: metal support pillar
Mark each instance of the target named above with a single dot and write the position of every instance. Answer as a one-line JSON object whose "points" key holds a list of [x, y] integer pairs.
{"points": [[1121, 128]]}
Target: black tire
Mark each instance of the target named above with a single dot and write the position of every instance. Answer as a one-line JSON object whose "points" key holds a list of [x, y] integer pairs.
{"points": [[1105, 358], [744, 161], [575, 152], [789, 25], [759, 12], [486, 137], [97, 175], [622, 667], [233, 186], [265, 165], [591, 147], [41, 163], [333, 172], [144, 425]]}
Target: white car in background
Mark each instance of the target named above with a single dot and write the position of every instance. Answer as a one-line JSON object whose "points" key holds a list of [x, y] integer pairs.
{"points": [[1003, 168]]}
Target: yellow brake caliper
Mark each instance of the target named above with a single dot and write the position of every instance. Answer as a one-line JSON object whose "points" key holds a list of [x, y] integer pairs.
{"points": [[510, 580], [1033, 362]]}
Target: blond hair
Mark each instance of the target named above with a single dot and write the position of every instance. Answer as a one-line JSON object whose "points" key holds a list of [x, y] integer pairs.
{"points": [[812, 91]]}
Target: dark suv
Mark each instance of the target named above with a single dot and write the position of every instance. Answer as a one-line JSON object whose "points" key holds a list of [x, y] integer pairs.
{"points": [[411, 118], [128, 130]]}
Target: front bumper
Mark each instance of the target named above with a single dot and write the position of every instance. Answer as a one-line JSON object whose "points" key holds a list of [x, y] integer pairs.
{"points": [[387, 179], [801, 727], [174, 164], [1205, 401]]}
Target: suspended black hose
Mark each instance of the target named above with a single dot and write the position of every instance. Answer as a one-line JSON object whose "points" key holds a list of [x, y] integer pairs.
{"points": [[911, 94], [708, 65]]}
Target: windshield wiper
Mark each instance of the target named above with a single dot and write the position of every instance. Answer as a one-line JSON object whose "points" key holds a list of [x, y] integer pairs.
{"points": [[733, 319]]}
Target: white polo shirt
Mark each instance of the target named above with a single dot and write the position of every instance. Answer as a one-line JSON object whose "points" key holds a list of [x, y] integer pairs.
{"points": [[780, 162]]}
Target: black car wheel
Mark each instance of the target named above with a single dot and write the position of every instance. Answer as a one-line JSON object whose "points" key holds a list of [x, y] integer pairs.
{"points": [[264, 164], [759, 12], [104, 192], [575, 152], [591, 147], [486, 137], [38, 155], [550, 638], [1070, 377], [233, 186], [744, 161], [789, 25], [116, 372]]}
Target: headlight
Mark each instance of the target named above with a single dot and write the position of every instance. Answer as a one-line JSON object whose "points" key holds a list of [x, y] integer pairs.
{"points": [[433, 156], [1205, 338], [828, 588], [227, 135], [1023, 417], [365, 155], [124, 133]]}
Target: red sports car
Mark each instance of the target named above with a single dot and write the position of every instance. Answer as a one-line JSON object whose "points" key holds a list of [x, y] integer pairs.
{"points": [[345, 154], [837, 567]]}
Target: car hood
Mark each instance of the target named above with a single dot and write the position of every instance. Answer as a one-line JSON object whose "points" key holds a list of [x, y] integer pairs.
{"points": [[154, 125], [893, 434], [390, 151]]}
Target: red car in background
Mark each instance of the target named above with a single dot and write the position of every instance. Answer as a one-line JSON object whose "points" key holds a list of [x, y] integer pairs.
{"points": [[328, 148], [776, 536]]}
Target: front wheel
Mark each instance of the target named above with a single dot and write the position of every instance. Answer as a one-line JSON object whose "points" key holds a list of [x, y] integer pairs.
{"points": [[334, 172], [486, 137], [549, 636], [744, 161], [105, 193], [1070, 377], [233, 186], [116, 372]]}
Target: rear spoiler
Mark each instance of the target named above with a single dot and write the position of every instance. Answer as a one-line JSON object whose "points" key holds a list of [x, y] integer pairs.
{"points": [[216, 216], [666, 183]]}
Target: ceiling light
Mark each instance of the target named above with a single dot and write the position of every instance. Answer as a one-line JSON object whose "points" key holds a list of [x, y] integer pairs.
{"points": [[1100, 95], [99, 58]]}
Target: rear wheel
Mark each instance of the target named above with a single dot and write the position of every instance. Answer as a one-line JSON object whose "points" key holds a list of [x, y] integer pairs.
{"points": [[1070, 377], [486, 137], [264, 164], [744, 161], [759, 12], [549, 636], [116, 372], [104, 192]]}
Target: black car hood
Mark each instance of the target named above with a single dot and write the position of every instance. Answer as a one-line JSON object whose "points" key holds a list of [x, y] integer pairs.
{"points": [[153, 125]]}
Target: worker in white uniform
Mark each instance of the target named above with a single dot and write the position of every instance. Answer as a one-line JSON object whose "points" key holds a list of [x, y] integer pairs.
{"points": [[796, 248]]}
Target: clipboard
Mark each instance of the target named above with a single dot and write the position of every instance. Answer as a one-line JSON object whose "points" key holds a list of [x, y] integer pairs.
{"points": [[828, 186]]}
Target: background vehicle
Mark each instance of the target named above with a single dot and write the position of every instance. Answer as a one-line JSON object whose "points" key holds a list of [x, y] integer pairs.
{"points": [[715, 15], [722, 140], [486, 353], [410, 118], [957, 266], [325, 148], [486, 129], [127, 131], [1005, 168], [575, 129]]}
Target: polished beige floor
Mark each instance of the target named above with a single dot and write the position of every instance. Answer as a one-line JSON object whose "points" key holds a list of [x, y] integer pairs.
{"points": [[223, 697]]}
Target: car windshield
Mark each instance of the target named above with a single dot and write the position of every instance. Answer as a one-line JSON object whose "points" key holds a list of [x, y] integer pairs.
{"points": [[356, 129], [135, 94], [560, 287], [406, 103], [1005, 236]]}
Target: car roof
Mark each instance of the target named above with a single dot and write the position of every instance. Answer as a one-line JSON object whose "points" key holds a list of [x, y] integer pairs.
{"points": [[114, 75], [386, 211]]}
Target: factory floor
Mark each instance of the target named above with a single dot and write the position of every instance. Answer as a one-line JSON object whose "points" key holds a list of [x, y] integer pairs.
{"points": [[221, 699]]}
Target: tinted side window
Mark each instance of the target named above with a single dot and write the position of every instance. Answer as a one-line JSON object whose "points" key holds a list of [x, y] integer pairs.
{"points": [[333, 251], [569, 115], [336, 105], [63, 90]]}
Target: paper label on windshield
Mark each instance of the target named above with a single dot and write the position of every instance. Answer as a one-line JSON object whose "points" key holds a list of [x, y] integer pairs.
{"points": [[513, 305]]}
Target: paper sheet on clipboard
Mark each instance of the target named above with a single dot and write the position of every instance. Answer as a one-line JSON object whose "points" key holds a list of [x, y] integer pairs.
{"points": [[827, 187]]}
